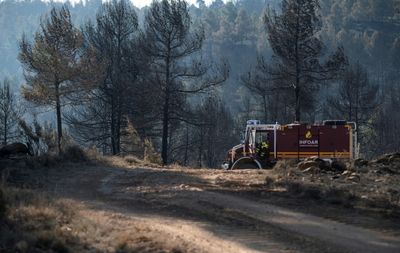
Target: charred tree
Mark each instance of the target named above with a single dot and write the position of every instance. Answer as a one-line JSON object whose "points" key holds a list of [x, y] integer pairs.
{"points": [[272, 97], [297, 49], [113, 38], [169, 41], [10, 112], [357, 98]]}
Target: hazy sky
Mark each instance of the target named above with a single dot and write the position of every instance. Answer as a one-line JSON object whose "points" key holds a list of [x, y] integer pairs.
{"points": [[141, 3]]}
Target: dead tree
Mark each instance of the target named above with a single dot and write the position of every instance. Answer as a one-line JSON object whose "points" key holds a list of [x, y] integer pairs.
{"points": [[357, 98], [10, 112], [297, 49], [273, 98], [113, 38], [169, 41], [215, 134]]}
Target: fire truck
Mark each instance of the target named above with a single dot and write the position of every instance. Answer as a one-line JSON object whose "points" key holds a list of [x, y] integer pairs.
{"points": [[264, 144]]}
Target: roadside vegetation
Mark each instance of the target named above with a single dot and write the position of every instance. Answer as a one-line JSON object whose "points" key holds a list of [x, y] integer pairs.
{"points": [[32, 221]]}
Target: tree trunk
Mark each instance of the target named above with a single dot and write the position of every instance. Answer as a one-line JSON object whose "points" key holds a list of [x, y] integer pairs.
{"points": [[209, 145], [265, 109], [297, 94], [5, 129], [164, 151], [297, 56], [185, 158], [276, 107], [59, 122], [119, 92], [113, 147], [118, 130], [164, 148], [201, 148]]}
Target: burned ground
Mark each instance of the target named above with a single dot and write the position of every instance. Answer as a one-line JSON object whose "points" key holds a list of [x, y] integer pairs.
{"points": [[118, 205]]}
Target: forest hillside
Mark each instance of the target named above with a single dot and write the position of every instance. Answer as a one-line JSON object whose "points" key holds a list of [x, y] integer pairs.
{"points": [[235, 37]]}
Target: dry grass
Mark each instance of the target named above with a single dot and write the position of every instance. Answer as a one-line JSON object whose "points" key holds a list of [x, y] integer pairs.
{"points": [[71, 154], [32, 221], [127, 161], [119, 233], [130, 159], [75, 154]]}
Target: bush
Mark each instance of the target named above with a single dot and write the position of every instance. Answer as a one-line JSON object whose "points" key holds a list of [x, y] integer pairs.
{"points": [[130, 159], [92, 153], [74, 153], [37, 162], [150, 155]]}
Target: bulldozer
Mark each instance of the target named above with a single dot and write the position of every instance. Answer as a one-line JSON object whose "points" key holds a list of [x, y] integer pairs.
{"points": [[264, 144]]}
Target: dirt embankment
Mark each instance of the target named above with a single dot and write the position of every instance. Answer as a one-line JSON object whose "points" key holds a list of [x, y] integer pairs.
{"points": [[364, 185], [128, 206]]}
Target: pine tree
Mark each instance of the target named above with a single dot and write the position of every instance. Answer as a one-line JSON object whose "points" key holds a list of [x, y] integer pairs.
{"points": [[169, 41], [113, 37], [10, 112], [357, 97], [294, 38], [53, 64]]}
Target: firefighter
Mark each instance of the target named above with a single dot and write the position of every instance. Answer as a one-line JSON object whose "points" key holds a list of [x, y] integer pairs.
{"points": [[262, 150]]}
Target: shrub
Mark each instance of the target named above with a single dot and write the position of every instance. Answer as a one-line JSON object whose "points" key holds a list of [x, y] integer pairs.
{"points": [[74, 153], [93, 153], [130, 159], [45, 160], [150, 155]]}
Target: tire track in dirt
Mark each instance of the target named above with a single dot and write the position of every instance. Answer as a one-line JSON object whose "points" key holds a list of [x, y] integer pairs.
{"points": [[94, 188], [336, 235], [209, 233], [176, 203], [344, 236]]}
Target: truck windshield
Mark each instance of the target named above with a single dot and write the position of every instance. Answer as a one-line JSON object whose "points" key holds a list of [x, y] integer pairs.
{"points": [[261, 136]]}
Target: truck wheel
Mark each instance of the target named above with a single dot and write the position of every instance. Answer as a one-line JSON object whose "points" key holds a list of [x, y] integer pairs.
{"points": [[246, 163]]}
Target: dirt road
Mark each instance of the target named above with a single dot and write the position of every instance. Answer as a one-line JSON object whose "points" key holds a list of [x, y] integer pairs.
{"points": [[193, 208]]}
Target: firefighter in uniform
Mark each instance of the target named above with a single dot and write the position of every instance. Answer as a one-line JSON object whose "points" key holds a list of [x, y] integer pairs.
{"points": [[262, 151]]}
